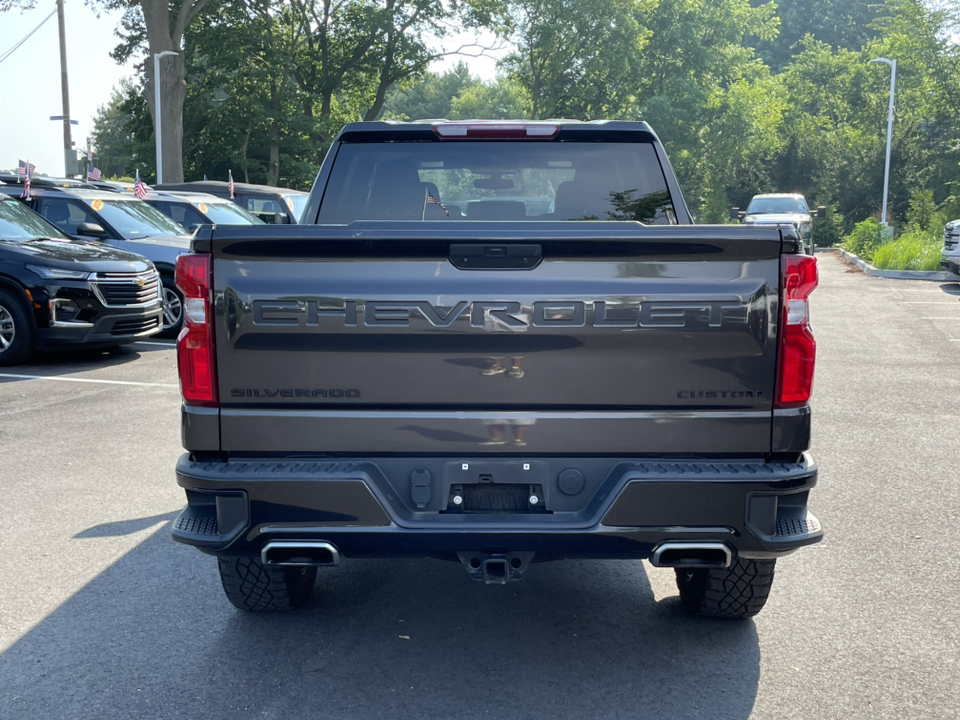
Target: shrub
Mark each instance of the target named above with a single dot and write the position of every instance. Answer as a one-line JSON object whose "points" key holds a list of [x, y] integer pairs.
{"points": [[828, 231], [922, 212], [864, 239], [911, 251], [950, 208]]}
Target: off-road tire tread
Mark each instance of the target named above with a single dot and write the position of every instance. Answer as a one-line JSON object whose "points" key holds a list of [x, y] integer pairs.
{"points": [[250, 585], [737, 592]]}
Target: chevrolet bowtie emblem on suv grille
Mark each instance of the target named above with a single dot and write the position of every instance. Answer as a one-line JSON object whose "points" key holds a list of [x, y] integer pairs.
{"points": [[140, 281]]}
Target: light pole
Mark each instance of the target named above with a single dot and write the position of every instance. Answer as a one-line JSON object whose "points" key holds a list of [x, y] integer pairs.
{"points": [[156, 109], [886, 171]]}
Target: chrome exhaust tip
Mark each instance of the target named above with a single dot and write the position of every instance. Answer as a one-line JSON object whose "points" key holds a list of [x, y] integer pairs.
{"points": [[299, 553], [692, 555]]}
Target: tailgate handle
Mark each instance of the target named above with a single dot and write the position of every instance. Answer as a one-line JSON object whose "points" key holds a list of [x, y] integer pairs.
{"points": [[495, 256]]}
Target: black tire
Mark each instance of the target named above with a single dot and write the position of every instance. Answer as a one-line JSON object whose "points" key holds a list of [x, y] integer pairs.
{"points": [[16, 330], [172, 317], [251, 585], [739, 591]]}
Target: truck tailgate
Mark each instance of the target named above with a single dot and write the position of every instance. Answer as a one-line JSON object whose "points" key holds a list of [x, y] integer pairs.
{"points": [[621, 339]]}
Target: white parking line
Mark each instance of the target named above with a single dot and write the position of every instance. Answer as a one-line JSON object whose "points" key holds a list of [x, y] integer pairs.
{"points": [[928, 302], [924, 289], [941, 317], [86, 380]]}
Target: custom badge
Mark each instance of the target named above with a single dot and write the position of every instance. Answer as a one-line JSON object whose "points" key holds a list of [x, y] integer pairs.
{"points": [[97, 205], [202, 207]]}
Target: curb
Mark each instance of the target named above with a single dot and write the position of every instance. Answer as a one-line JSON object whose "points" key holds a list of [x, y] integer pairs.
{"points": [[933, 275]]}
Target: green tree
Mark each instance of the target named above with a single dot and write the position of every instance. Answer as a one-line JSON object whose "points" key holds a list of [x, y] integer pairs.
{"points": [[577, 58], [704, 92], [113, 140], [503, 99], [430, 97], [840, 24], [836, 120], [270, 82]]}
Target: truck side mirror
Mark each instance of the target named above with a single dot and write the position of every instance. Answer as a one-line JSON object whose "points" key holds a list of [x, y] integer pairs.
{"points": [[280, 219], [734, 213], [821, 211], [91, 230]]}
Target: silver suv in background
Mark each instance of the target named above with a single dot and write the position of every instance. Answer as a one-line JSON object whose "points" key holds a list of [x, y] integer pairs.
{"points": [[781, 209], [950, 255]]}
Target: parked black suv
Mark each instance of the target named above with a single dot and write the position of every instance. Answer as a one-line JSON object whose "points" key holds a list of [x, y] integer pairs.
{"points": [[55, 291], [124, 222], [273, 205]]}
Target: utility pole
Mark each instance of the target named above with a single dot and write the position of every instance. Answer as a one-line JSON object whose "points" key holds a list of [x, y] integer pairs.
{"points": [[68, 154]]}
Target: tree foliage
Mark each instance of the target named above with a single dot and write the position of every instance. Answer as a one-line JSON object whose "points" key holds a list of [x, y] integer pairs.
{"points": [[748, 96]]}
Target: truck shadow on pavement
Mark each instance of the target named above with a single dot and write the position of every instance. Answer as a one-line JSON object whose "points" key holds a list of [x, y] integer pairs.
{"points": [[120, 528], [153, 636]]}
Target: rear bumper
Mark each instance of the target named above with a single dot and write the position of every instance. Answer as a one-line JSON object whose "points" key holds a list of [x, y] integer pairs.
{"points": [[611, 508]]}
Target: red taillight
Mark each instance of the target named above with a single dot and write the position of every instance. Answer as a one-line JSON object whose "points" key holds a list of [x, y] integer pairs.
{"points": [[494, 130], [798, 349], [195, 353]]}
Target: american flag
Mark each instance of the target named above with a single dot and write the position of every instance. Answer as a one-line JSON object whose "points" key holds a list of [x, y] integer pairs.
{"points": [[93, 173], [28, 170], [431, 200], [230, 184], [139, 188], [22, 168]]}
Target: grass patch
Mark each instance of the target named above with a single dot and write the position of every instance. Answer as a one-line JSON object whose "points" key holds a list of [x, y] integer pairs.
{"points": [[911, 251]]}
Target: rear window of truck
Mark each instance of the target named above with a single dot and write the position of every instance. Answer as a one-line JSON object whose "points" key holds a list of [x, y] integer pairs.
{"points": [[490, 180]]}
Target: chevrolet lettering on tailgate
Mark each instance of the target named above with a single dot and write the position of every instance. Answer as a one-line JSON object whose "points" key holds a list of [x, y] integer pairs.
{"points": [[549, 314]]}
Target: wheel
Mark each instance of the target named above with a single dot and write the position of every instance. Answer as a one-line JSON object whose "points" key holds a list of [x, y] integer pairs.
{"points": [[251, 585], [738, 591], [172, 308], [16, 330]]}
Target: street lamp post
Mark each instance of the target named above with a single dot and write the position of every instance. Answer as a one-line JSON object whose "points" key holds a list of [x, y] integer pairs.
{"points": [[886, 171], [156, 110]]}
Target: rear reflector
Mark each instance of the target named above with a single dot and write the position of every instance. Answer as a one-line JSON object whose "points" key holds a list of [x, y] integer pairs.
{"points": [[195, 350], [798, 349], [493, 130]]}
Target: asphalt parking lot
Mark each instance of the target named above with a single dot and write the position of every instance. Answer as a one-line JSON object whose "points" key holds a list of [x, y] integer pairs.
{"points": [[103, 616]]}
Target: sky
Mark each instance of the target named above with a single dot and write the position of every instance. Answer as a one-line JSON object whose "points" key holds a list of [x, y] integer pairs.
{"points": [[30, 80]]}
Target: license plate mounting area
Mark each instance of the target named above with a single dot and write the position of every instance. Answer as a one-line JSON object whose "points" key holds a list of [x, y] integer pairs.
{"points": [[497, 486]]}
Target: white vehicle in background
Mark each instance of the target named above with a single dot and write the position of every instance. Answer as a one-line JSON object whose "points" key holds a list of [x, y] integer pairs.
{"points": [[950, 255], [781, 209]]}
